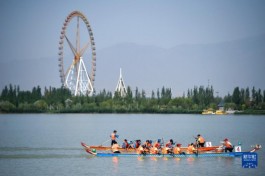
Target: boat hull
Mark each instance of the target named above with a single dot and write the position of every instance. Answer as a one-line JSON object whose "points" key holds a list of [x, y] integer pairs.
{"points": [[89, 149], [132, 150], [230, 154]]}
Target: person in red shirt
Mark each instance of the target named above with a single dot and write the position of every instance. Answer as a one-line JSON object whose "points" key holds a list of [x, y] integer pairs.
{"points": [[169, 146], [157, 144], [126, 145]]}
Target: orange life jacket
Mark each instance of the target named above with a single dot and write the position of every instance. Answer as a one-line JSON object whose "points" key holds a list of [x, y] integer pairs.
{"points": [[190, 149], [176, 150], [201, 140], [140, 149], [153, 150], [228, 144], [164, 150]]}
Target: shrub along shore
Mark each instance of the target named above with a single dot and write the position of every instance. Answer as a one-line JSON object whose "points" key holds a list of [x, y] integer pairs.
{"points": [[60, 100]]}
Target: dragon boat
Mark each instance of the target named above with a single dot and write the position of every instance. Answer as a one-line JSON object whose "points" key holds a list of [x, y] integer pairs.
{"points": [[133, 150], [92, 151]]}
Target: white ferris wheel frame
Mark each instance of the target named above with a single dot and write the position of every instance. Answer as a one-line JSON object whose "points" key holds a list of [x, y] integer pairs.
{"points": [[76, 78]]}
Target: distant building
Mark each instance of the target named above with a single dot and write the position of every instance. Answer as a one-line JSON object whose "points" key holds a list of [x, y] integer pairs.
{"points": [[121, 88]]}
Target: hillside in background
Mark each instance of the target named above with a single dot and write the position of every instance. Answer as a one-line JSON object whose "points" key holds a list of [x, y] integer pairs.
{"points": [[224, 65]]}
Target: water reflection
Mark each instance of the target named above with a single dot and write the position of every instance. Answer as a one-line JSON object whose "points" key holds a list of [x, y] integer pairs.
{"points": [[140, 158], [115, 161], [165, 158], [21, 145], [154, 158], [177, 160], [190, 160]]}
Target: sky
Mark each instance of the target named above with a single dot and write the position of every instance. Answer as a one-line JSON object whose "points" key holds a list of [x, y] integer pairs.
{"points": [[30, 29]]}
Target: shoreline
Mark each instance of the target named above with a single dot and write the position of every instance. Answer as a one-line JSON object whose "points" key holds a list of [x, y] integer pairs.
{"points": [[247, 112]]}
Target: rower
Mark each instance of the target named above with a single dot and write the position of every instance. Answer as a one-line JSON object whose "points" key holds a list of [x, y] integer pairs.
{"points": [[137, 143], [141, 150], [154, 150], [125, 144], [113, 137], [191, 149], [169, 146], [147, 146], [115, 147], [200, 141], [228, 145], [157, 144], [177, 150]]}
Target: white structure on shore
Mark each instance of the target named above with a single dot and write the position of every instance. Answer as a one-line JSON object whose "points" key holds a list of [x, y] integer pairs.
{"points": [[73, 70], [121, 88]]}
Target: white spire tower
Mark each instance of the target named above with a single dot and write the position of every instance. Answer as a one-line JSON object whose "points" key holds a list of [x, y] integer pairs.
{"points": [[77, 79], [121, 86]]}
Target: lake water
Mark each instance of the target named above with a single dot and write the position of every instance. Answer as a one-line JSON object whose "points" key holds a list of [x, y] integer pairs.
{"points": [[49, 144]]}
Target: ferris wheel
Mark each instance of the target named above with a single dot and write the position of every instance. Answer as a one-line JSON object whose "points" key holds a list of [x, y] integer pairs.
{"points": [[73, 57]]}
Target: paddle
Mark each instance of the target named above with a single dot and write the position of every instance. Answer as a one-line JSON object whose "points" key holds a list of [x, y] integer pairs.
{"points": [[117, 136], [197, 143], [162, 146], [197, 152], [105, 142], [197, 147]]}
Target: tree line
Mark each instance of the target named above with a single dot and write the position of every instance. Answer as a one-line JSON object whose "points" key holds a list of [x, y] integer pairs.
{"points": [[60, 100]]}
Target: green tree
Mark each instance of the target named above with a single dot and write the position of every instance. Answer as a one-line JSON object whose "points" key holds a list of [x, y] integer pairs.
{"points": [[247, 98], [153, 95], [6, 106], [263, 96], [236, 96], [158, 94], [41, 105], [253, 95], [129, 95]]}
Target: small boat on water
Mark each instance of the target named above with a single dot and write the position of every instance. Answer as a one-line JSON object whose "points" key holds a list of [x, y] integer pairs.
{"points": [[212, 112], [93, 152], [208, 112], [220, 112]]}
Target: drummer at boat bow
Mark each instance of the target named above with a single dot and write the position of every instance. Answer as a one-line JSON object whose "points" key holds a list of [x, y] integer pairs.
{"points": [[113, 137]]}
